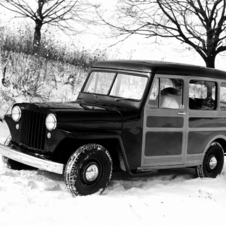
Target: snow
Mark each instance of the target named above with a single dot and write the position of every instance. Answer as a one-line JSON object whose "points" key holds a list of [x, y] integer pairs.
{"points": [[168, 197]]}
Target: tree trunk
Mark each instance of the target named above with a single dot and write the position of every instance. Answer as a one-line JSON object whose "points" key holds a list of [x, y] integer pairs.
{"points": [[37, 36], [1, 64], [210, 61]]}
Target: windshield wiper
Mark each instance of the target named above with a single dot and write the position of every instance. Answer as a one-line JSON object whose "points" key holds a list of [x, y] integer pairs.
{"points": [[84, 106], [92, 94], [119, 99]]}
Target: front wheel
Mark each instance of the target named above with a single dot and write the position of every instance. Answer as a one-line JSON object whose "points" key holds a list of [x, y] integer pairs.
{"points": [[88, 170], [213, 162]]}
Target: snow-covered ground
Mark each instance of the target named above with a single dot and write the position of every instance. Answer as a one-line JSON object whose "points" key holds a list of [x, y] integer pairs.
{"points": [[169, 197]]}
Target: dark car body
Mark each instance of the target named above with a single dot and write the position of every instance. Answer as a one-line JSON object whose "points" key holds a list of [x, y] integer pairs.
{"points": [[138, 137]]}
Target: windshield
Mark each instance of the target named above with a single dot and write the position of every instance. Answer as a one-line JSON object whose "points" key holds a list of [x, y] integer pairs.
{"points": [[116, 84]]}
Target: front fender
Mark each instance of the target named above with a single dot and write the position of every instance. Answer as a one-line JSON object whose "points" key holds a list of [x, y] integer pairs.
{"points": [[71, 140]]}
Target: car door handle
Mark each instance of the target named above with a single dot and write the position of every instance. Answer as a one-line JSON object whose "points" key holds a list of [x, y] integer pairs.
{"points": [[181, 113]]}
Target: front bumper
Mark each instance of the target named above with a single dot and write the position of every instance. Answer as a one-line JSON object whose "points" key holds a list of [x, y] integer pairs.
{"points": [[31, 160]]}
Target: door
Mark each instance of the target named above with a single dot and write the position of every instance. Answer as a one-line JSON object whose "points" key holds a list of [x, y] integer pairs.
{"points": [[165, 123]]}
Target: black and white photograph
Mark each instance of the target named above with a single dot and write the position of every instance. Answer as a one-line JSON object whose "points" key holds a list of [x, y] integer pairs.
{"points": [[112, 112]]}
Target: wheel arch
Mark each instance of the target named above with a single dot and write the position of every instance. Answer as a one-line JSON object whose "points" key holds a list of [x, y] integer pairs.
{"points": [[217, 139], [113, 144], [213, 162]]}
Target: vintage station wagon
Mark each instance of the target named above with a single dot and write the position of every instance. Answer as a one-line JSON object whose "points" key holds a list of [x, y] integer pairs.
{"points": [[133, 116]]}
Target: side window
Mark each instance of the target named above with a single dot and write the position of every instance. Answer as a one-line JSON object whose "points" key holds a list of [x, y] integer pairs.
{"points": [[223, 97], [166, 93], [202, 95]]}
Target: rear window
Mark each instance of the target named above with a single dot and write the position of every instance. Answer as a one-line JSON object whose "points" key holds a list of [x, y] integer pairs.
{"points": [[202, 95], [223, 97]]}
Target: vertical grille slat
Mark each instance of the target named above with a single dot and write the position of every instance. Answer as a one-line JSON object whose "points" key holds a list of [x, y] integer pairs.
{"points": [[32, 125], [29, 122], [35, 124], [33, 130], [38, 125], [42, 140], [24, 128]]}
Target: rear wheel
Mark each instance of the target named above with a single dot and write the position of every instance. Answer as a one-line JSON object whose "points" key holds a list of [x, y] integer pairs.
{"points": [[213, 162], [88, 170]]}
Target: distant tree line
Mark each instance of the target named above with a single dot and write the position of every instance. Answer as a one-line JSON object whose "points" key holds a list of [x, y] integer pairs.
{"points": [[198, 24], [55, 13], [20, 40]]}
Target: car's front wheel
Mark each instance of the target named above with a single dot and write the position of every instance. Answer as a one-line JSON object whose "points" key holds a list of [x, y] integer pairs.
{"points": [[213, 162], [88, 170]]}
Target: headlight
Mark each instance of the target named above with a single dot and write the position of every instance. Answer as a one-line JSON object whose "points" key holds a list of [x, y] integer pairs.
{"points": [[16, 113], [51, 122]]}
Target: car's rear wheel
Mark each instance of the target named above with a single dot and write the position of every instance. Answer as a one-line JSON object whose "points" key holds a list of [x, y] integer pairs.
{"points": [[88, 170], [213, 162]]}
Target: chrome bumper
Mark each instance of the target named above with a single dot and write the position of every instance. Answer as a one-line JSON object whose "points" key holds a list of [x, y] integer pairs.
{"points": [[31, 160]]}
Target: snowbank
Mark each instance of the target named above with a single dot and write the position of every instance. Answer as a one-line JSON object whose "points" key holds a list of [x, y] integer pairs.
{"points": [[169, 197]]}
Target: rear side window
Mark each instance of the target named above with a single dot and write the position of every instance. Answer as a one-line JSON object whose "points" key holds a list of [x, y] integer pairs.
{"points": [[202, 95], [223, 97], [166, 93]]}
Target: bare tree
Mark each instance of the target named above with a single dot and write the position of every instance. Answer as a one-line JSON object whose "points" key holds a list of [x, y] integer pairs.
{"points": [[201, 24], [56, 13]]}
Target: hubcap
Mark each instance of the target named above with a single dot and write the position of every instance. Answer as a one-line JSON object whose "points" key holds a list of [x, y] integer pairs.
{"points": [[91, 172], [213, 162]]}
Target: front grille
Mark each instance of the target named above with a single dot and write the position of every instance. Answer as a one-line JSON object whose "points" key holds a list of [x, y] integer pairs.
{"points": [[33, 129]]}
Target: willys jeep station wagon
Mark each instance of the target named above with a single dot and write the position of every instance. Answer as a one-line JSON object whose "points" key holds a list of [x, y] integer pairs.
{"points": [[131, 116]]}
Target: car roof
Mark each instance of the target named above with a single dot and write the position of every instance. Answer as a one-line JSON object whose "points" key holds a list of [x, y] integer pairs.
{"points": [[160, 67]]}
